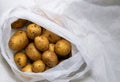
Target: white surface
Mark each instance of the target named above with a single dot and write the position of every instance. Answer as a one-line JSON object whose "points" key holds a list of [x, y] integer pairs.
{"points": [[104, 18], [6, 75]]}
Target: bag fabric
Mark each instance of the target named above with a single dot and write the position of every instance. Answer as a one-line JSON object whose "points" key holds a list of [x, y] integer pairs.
{"points": [[92, 26]]}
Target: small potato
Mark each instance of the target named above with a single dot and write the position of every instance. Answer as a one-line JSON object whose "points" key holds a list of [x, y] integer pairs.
{"points": [[53, 38], [50, 58], [27, 68], [41, 43], [46, 68], [65, 57], [33, 30], [61, 59], [32, 52], [62, 47], [38, 66], [18, 40], [19, 23], [51, 47], [20, 59]]}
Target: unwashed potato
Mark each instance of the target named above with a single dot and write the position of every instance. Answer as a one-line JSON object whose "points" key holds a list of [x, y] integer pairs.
{"points": [[35, 40], [53, 38], [51, 47], [18, 40], [41, 43], [33, 30], [64, 57], [38, 66], [46, 68], [61, 59], [20, 59], [50, 58], [19, 23], [27, 68], [62, 47], [32, 52]]}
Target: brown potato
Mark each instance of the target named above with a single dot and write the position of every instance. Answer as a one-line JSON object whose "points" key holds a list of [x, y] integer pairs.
{"points": [[38, 66], [62, 47], [51, 47], [18, 40], [20, 59], [65, 57], [53, 38], [41, 43], [27, 68], [32, 52], [46, 68], [18, 23], [50, 58], [33, 30]]}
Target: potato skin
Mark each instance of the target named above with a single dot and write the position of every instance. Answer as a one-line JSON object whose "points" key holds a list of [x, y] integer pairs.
{"points": [[20, 59], [62, 47], [41, 43], [33, 30], [38, 66], [50, 58], [38, 49], [51, 47], [27, 68], [18, 23], [53, 38], [32, 52], [46, 68], [18, 40]]}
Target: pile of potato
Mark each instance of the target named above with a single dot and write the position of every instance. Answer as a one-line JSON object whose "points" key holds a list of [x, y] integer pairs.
{"points": [[37, 49]]}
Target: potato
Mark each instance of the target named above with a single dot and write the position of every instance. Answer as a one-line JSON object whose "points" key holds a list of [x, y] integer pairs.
{"points": [[51, 47], [33, 30], [50, 58], [65, 57], [46, 68], [38, 66], [32, 52], [62, 47], [53, 38], [19, 23], [18, 40], [41, 43], [61, 59], [20, 59], [27, 68]]}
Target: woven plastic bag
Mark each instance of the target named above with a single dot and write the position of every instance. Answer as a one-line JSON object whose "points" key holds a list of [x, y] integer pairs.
{"points": [[67, 70]]}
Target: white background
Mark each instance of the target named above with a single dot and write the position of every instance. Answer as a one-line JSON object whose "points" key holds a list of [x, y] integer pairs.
{"points": [[105, 17]]}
